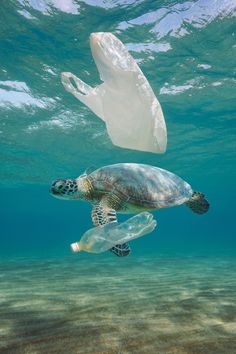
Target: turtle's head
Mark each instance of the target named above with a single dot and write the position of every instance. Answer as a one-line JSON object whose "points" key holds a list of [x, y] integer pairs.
{"points": [[68, 189]]}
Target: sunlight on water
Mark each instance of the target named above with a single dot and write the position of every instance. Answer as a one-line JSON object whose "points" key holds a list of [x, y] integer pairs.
{"points": [[181, 48]]}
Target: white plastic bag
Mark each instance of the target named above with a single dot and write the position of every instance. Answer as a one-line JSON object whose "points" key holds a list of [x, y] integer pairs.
{"points": [[124, 101]]}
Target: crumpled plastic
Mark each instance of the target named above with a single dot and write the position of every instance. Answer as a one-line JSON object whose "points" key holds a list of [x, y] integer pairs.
{"points": [[124, 101], [102, 238]]}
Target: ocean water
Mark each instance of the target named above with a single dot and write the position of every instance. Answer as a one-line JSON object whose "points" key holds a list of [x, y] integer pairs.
{"points": [[176, 292]]}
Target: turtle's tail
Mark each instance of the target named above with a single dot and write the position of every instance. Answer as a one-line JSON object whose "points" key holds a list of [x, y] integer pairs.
{"points": [[198, 203]]}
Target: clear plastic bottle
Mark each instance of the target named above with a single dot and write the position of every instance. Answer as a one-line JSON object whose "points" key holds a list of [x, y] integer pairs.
{"points": [[102, 238]]}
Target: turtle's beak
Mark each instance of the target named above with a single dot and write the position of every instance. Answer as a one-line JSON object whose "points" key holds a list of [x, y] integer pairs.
{"points": [[57, 187], [53, 191]]}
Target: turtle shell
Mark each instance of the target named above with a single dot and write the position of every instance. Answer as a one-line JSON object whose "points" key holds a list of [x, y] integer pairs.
{"points": [[141, 185]]}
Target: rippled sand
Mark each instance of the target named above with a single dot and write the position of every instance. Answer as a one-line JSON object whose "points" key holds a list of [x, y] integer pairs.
{"points": [[110, 305]]}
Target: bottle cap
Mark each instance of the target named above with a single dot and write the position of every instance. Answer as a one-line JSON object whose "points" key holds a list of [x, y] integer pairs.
{"points": [[75, 247]]}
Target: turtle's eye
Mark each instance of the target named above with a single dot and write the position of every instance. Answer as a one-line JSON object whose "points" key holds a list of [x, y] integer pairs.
{"points": [[58, 185]]}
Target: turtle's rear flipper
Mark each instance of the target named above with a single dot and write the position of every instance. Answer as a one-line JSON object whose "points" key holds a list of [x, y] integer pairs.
{"points": [[121, 250], [198, 203]]}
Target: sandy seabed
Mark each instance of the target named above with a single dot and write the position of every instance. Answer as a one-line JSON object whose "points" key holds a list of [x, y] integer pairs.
{"points": [[149, 305]]}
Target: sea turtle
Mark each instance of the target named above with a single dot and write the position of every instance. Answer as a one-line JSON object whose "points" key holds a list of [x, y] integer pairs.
{"points": [[128, 188]]}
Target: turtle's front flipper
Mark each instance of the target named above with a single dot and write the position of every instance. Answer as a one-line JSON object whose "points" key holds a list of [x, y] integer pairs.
{"points": [[101, 215]]}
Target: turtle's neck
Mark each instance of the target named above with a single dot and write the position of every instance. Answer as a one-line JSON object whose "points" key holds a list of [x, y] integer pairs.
{"points": [[85, 187]]}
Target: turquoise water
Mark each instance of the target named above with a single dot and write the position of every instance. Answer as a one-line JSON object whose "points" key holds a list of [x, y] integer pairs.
{"points": [[176, 292]]}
